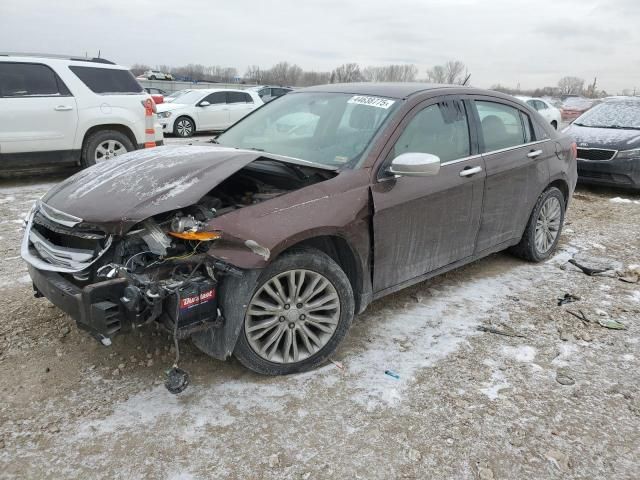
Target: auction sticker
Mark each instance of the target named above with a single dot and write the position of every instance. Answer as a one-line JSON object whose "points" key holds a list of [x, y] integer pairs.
{"points": [[371, 101]]}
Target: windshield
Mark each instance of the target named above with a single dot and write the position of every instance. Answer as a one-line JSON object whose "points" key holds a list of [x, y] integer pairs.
{"points": [[190, 97], [612, 115], [331, 129]]}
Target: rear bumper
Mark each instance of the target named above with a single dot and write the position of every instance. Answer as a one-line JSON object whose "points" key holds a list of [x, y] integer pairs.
{"points": [[95, 308], [616, 172]]}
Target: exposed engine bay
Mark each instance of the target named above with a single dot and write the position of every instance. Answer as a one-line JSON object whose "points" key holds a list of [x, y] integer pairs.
{"points": [[160, 269]]}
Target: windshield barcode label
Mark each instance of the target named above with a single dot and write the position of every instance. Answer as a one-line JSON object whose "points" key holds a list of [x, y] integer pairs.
{"points": [[371, 101]]}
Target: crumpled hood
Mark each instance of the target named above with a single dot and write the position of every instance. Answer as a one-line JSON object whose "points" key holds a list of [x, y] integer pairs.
{"points": [[121, 192], [611, 138]]}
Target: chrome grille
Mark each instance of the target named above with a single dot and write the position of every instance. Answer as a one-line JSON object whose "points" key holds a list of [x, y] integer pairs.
{"points": [[596, 154], [52, 243]]}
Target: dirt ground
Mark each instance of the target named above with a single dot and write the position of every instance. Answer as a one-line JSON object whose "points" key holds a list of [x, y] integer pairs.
{"points": [[541, 395]]}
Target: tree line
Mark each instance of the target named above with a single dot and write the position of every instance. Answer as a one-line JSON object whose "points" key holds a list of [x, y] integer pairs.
{"points": [[567, 86], [288, 74]]}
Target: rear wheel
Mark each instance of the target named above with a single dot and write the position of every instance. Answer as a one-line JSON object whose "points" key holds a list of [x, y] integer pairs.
{"points": [[105, 145], [300, 311], [184, 127], [542, 234]]}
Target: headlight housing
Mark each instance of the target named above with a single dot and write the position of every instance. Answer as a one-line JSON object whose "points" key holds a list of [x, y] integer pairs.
{"points": [[635, 153], [164, 114]]}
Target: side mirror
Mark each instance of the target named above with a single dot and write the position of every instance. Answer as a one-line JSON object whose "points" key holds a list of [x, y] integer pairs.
{"points": [[413, 164], [204, 103]]}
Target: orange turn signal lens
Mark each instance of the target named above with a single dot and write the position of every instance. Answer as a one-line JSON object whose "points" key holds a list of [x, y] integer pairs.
{"points": [[200, 236]]}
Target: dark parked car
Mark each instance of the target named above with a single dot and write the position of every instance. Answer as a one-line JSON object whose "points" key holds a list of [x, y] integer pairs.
{"points": [[268, 93], [608, 138], [266, 245]]}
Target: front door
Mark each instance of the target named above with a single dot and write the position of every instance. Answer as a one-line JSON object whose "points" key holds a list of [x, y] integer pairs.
{"points": [[214, 116], [37, 111], [516, 170], [421, 224]]}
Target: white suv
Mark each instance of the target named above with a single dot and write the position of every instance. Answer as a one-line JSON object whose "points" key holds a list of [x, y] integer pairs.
{"points": [[68, 110], [157, 75]]}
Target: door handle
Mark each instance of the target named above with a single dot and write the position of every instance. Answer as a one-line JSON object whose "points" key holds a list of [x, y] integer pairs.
{"points": [[63, 108], [467, 172], [534, 153]]}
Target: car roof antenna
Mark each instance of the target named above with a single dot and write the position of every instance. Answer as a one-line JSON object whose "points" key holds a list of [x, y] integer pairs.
{"points": [[466, 80]]}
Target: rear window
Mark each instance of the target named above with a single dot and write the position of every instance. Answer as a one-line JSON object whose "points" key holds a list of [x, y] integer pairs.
{"points": [[106, 80], [29, 80], [239, 97]]}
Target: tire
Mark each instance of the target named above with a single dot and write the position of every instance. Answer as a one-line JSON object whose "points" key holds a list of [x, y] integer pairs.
{"points": [[294, 327], [184, 127], [554, 124], [152, 77], [104, 145], [528, 248]]}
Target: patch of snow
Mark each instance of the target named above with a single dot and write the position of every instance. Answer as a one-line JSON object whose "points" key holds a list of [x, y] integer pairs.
{"points": [[565, 352], [7, 199], [620, 200], [521, 353], [495, 384]]}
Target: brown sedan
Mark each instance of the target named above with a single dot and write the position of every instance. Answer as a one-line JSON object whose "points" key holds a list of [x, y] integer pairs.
{"points": [[266, 244]]}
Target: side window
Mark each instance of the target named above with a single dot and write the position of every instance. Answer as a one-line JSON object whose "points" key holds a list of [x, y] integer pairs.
{"points": [[541, 105], [500, 125], [238, 97], [264, 92], [216, 98], [247, 98], [107, 80], [276, 92], [29, 80], [441, 129], [529, 135]]}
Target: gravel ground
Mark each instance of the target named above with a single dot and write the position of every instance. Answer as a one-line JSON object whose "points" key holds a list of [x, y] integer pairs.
{"points": [[542, 394]]}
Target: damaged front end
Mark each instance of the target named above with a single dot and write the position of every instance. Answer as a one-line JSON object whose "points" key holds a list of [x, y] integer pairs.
{"points": [[115, 278], [158, 271]]}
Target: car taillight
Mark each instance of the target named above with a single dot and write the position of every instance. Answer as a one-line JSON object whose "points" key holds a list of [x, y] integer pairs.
{"points": [[574, 150]]}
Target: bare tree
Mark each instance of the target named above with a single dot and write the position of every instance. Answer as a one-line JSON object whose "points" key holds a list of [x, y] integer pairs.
{"points": [[313, 78], [254, 74], [437, 74], [347, 73], [454, 72], [138, 69], [571, 85], [390, 73]]}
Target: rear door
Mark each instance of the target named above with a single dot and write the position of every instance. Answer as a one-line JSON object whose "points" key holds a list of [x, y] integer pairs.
{"points": [[239, 104], [425, 223], [214, 116], [37, 111], [516, 169]]}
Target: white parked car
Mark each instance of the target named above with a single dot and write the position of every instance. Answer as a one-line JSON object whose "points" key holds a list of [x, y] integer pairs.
{"points": [[157, 75], [206, 110], [68, 110], [544, 108]]}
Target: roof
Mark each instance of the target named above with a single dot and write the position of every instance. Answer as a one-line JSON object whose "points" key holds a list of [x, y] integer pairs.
{"points": [[78, 58], [391, 90]]}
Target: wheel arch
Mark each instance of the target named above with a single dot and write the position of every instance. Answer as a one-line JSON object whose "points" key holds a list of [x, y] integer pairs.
{"points": [[109, 126], [344, 254], [563, 186]]}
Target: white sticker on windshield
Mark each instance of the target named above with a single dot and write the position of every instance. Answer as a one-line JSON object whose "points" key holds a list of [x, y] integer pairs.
{"points": [[371, 101]]}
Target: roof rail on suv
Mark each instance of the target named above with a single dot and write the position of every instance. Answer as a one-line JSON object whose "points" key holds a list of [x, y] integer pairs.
{"points": [[61, 57]]}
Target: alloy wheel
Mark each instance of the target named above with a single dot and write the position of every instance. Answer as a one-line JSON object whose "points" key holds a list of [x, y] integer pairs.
{"points": [[108, 149], [548, 224], [292, 316], [184, 127]]}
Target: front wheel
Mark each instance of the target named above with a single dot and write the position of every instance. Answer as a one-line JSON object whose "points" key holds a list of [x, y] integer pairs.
{"points": [[300, 311], [542, 234], [184, 127]]}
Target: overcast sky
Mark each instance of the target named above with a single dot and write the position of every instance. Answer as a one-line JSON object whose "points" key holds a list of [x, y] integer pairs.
{"points": [[532, 43]]}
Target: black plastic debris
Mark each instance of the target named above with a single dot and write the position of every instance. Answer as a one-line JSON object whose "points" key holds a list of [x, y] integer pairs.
{"points": [[177, 380], [568, 298]]}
